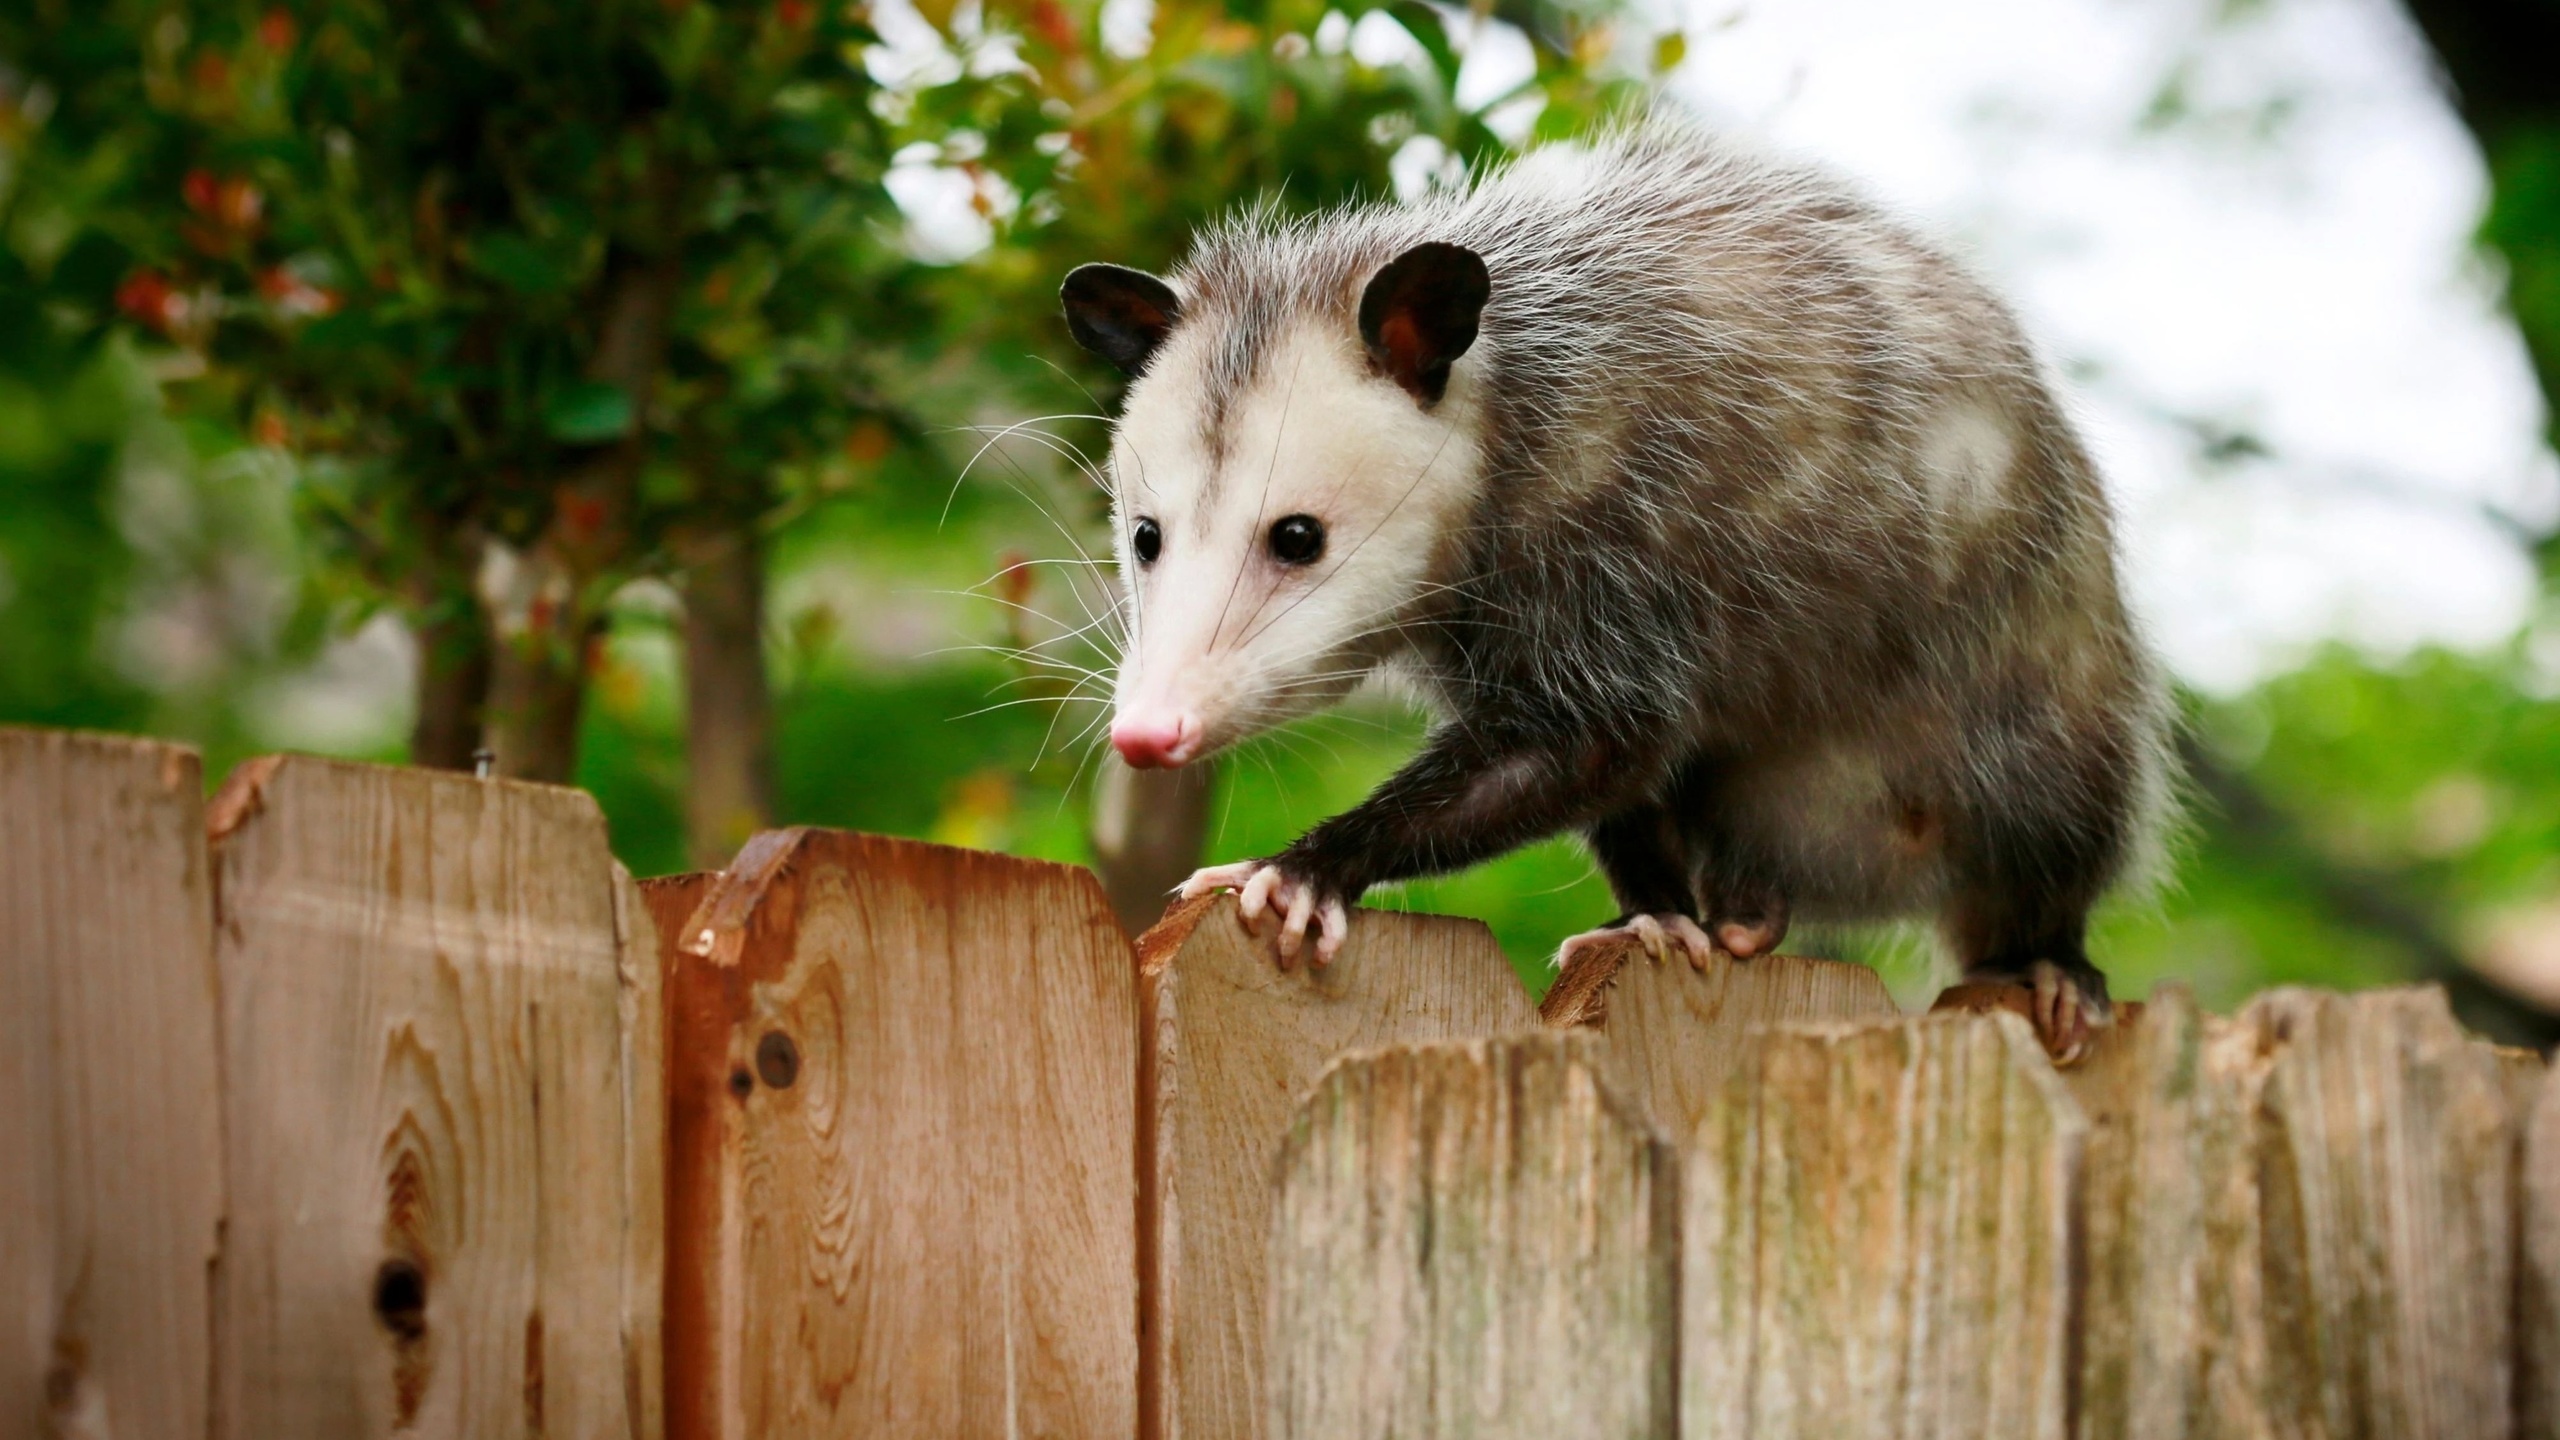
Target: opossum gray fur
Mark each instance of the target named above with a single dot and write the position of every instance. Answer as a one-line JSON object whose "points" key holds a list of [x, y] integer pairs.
{"points": [[1715, 516]]}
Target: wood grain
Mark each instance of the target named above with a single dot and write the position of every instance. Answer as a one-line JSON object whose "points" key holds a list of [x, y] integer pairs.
{"points": [[1878, 1237], [642, 1017], [2171, 1341], [1676, 1031], [110, 1110], [1474, 1239], [2538, 1290], [2384, 1151], [1231, 1043], [437, 1226], [901, 1102], [701, 1190]]}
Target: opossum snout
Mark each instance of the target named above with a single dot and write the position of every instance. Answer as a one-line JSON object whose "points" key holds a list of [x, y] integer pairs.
{"points": [[1151, 738]]}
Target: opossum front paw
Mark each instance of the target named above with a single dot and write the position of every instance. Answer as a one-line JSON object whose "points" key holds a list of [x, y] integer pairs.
{"points": [[1263, 886], [1659, 934]]}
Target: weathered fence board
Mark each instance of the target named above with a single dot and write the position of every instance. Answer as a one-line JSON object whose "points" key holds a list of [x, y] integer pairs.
{"points": [[436, 1225], [110, 1119], [1878, 1238], [642, 994], [1677, 1031], [2170, 1337], [1474, 1239], [2385, 1151], [1231, 1042], [902, 1086], [703, 1119], [2538, 1293]]}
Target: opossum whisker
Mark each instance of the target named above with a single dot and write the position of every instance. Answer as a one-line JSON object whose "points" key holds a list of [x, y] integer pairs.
{"points": [[1279, 432], [1338, 566], [1081, 388], [1075, 592], [1022, 700], [1073, 455], [1094, 632], [995, 435], [1101, 716]]}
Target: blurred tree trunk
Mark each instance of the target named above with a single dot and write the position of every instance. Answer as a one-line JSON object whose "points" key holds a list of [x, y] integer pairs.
{"points": [[453, 684], [538, 691], [452, 630], [539, 684], [728, 703], [1149, 827]]}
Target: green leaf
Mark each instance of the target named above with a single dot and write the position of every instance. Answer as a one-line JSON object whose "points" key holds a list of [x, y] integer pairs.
{"points": [[519, 264], [588, 413]]}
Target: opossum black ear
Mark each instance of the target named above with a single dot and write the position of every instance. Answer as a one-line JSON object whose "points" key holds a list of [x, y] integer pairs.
{"points": [[1419, 315], [1118, 313]]}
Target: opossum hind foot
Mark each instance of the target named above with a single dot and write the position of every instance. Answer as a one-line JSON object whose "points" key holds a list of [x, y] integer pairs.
{"points": [[1263, 886], [2069, 1005], [1660, 935]]}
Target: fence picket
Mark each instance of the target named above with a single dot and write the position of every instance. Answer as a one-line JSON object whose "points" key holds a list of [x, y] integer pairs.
{"points": [[1231, 1042], [436, 1222], [1878, 1238], [1474, 1239], [2385, 1151], [2171, 1341], [110, 1110], [901, 1093]]}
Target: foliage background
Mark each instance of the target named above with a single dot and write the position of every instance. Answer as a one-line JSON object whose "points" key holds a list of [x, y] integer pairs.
{"points": [[308, 316]]}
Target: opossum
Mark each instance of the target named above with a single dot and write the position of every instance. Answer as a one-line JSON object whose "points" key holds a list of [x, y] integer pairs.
{"points": [[1712, 514]]}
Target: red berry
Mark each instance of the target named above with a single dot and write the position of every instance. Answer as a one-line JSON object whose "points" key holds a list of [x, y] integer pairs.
{"points": [[147, 296]]}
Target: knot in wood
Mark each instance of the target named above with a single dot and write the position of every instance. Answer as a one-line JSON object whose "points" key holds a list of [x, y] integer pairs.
{"points": [[777, 1060]]}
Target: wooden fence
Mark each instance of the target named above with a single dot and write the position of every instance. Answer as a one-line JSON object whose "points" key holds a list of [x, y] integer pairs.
{"points": [[362, 1102]]}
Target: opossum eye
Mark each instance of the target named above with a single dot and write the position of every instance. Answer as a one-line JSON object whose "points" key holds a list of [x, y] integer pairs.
{"points": [[1297, 539], [1147, 540]]}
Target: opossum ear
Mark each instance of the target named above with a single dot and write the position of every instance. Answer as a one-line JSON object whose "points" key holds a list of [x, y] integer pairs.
{"points": [[1419, 314], [1118, 313]]}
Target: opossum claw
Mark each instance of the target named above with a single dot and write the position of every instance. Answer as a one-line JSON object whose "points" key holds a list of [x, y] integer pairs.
{"points": [[1217, 877], [1659, 934], [1258, 893], [1293, 927], [1262, 886], [1333, 926], [2067, 1017]]}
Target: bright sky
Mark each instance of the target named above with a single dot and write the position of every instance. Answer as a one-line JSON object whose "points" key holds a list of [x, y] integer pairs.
{"points": [[2290, 262]]}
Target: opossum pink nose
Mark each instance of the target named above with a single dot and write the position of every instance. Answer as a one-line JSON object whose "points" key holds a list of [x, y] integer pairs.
{"points": [[1150, 738]]}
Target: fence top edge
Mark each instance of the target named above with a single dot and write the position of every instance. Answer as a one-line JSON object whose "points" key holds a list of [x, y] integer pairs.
{"points": [[1162, 941], [101, 740], [2017, 1039], [180, 767], [717, 929], [1568, 1050], [1579, 998], [242, 794]]}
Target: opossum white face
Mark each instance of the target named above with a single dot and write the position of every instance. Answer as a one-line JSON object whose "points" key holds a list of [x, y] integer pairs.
{"points": [[1282, 503]]}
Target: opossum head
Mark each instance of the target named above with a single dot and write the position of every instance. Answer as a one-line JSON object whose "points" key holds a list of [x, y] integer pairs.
{"points": [[1286, 479]]}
